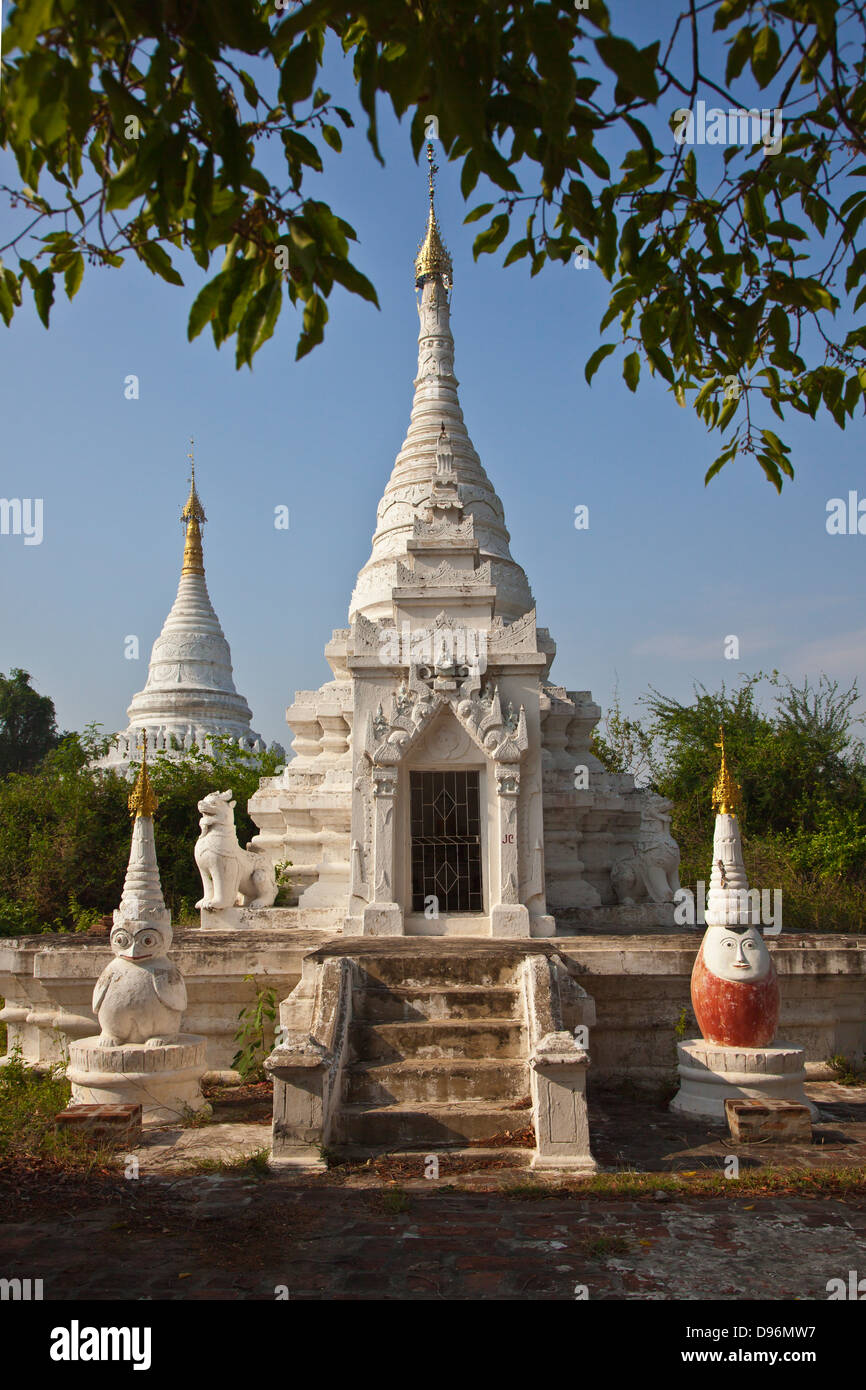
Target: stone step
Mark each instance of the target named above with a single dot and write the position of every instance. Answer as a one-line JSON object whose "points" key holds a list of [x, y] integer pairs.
{"points": [[413, 1003], [436, 1126], [420, 1080], [458, 1038], [448, 970]]}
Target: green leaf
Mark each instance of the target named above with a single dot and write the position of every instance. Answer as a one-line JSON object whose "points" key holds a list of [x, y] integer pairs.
{"points": [[771, 470], [634, 68], [738, 52], [332, 137], [351, 279], [7, 306], [766, 55], [257, 324], [492, 236], [204, 305], [73, 275], [43, 294], [596, 360], [481, 211], [157, 260], [315, 318], [631, 370], [517, 252]]}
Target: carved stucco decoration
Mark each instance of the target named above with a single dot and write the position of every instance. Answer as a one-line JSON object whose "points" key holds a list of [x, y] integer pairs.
{"points": [[444, 575], [500, 734], [444, 530], [518, 636]]}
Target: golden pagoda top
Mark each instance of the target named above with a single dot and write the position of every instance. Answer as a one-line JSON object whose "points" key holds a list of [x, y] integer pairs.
{"points": [[142, 799], [432, 258], [727, 796], [192, 517]]}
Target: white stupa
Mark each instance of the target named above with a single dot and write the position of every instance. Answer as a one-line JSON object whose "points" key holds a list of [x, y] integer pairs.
{"points": [[190, 693], [439, 780]]}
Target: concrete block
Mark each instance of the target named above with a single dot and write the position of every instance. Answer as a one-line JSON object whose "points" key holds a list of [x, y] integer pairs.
{"points": [[119, 1124], [768, 1121]]}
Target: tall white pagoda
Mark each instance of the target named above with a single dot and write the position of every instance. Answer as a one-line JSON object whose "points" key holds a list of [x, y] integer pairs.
{"points": [[190, 693], [434, 787]]}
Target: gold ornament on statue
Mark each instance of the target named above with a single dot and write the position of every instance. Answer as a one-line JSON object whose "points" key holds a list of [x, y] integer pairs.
{"points": [[142, 798], [727, 796]]}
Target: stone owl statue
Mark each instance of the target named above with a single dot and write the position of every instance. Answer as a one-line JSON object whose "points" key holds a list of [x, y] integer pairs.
{"points": [[140, 997]]}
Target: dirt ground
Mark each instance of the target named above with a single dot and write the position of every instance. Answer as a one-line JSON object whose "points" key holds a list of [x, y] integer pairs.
{"points": [[192, 1226]]}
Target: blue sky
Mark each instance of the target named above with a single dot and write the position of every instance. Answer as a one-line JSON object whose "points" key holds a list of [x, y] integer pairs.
{"points": [[647, 595]]}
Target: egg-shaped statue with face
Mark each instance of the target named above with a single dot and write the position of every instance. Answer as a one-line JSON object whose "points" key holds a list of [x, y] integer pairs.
{"points": [[735, 992], [140, 996]]}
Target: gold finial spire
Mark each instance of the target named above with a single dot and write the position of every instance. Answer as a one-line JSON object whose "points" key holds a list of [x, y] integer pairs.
{"points": [[192, 517], [432, 258], [727, 796], [142, 798]]}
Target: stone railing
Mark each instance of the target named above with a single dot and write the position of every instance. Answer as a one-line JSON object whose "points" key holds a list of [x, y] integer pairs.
{"points": [[558, 1060], [307, 1063]]}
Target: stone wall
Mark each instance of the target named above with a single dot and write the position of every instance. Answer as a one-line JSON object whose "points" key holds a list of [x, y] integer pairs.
{"points": [[640, 985]]}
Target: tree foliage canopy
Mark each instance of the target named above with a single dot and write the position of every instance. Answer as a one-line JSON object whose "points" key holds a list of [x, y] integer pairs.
{"points": [[799, 762], [736, 275], [27, 723], [65, 831]]}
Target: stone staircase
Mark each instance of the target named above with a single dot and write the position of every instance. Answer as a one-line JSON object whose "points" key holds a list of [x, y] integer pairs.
{"points": [[418, 1045], [432, 1063]]}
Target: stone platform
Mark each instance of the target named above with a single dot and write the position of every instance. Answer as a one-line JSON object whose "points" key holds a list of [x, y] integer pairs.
{"points": [[711, 1074], [164, 1079]]}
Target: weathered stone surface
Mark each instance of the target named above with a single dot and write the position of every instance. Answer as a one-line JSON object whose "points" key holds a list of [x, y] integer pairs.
{"points": [[639, 983], [119, 1124], [165, 1080], [711, 1074], [768, 1121]]}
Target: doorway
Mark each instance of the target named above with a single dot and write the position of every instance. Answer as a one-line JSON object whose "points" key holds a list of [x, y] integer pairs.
{"points": [[445, 833]]}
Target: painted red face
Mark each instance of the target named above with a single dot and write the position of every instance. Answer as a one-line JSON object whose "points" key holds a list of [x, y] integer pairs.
{"points": [[735, 1012]]}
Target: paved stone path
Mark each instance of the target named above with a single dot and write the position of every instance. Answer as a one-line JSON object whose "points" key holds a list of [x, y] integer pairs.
{"points": [[384, 1232], [215, 1237]]}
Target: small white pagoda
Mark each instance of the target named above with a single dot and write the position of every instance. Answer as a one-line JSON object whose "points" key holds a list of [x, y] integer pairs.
{"points": [[441, 784], [190, 694]]}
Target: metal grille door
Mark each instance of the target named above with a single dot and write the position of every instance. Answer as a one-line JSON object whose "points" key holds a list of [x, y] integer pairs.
{"points": [[446, 841]]}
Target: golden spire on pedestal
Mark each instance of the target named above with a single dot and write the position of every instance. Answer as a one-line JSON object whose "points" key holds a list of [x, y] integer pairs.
{"points": [[432, 258], [142, 799], [192, 517], [727, 796]]}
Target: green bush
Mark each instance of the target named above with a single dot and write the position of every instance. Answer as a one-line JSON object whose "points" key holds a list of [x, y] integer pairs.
{"points": [[803, 776], [65, 831]]}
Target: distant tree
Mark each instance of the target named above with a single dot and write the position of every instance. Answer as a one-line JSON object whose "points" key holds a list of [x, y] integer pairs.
{"points": [[27, 724], [802, 771], [793, 762], [65, 830]]}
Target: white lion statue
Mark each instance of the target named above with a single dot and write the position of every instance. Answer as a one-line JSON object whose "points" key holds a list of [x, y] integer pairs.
{"points": [[231, 876], [649, 872]]}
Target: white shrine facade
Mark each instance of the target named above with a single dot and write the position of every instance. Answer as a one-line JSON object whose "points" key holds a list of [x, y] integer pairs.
{"points": [[434, 787]]}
